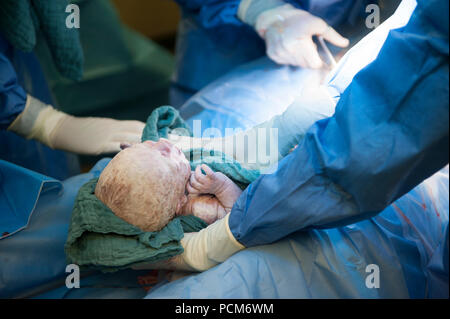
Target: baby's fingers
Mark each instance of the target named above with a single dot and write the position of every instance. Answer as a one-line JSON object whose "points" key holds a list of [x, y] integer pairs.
{"points": [[195, 183], [200, 176], [192, 190], [207, 170]]}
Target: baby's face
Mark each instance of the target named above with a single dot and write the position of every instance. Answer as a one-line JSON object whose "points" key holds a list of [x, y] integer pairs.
{"points": [[145, 184], [164, 156]]}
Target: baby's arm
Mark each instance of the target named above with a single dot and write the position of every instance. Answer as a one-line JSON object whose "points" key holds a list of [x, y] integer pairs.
{"points": [[214, 183], [206, 207]]}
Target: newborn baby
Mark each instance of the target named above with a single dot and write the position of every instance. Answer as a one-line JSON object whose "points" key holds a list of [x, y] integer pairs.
{"points": [[150, 183]]}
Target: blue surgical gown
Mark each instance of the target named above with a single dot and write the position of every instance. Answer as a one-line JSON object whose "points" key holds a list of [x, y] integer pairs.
{"points": [[13, 96], [388, 134], [212, 40], [35, 212], [20, 73]]}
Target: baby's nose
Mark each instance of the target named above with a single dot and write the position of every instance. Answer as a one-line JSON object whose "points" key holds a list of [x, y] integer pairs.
{"points": [[164, 147]]}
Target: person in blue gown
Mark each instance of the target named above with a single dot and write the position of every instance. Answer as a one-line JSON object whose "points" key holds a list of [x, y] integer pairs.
{"points": [[216, 36], [386, 134]]}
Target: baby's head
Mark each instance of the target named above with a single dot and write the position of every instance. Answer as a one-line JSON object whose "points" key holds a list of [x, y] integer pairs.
{"points": [[145, 184]]}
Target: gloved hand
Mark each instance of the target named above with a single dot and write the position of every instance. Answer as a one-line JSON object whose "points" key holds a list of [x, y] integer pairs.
{"points": [[207, 248], [202, 250], [283, 132], [90, 135], [288, 33]]}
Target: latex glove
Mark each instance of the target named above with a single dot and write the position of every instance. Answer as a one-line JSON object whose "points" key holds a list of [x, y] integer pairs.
{"points": [[90, 135], [282, 132], [235, 146], [208, 247], [288, 34], [185, 143], [202, 250]]}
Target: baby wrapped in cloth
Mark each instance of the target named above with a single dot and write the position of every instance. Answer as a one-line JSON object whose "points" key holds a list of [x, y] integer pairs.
{"points": [[150, 183], [148, 199]]}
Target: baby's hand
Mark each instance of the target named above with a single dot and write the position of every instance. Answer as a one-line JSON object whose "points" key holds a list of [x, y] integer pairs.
{"points": [[214, 183], [211, 183]]}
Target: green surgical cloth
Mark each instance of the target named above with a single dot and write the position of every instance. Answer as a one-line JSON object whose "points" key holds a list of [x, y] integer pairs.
{"points": [[21, 21], [98, 239], [166, 119]]}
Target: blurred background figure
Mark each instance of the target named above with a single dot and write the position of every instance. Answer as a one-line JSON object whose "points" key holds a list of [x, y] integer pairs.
{"points": [[215, 37], [160, 52], [127, 69], [146, 45], [46, 65]]}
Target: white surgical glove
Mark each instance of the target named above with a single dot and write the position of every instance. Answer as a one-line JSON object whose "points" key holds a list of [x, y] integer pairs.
{"points": [[288, 33], [202, 250], [234, 146], [89, 135], [207, 248], [259, 154], [262, 146]]}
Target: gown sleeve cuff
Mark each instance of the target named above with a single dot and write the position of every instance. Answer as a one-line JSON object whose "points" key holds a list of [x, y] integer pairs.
{"points": [[249, 10], [23, 123]]}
